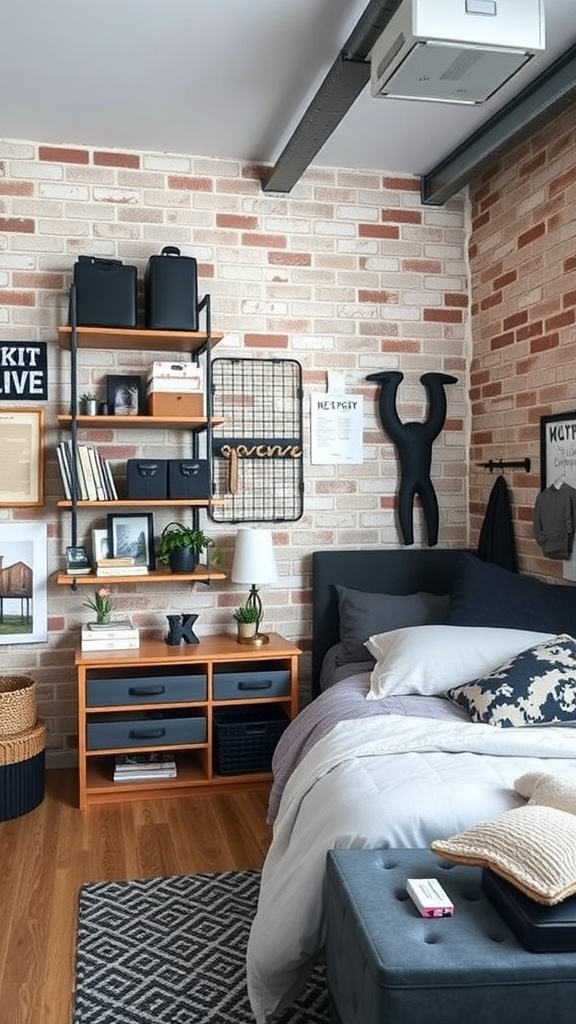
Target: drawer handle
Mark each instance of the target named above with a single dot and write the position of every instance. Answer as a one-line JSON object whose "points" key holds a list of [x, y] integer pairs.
{"points": [[146, 734], [146, 691], [257, 684], [255, 730]]}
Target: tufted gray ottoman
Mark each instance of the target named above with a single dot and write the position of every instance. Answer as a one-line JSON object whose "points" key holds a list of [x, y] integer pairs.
{"points": [[387, 965]]}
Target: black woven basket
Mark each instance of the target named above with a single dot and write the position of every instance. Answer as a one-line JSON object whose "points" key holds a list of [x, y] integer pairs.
{"points": [[245, 738], [22, 775]]}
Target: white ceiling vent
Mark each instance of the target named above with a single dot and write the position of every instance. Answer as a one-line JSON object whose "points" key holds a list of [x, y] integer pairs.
{"points": [[455, 51]]}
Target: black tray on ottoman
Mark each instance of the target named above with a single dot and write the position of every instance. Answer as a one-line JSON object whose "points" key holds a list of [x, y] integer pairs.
{"points": [[539, 928]]}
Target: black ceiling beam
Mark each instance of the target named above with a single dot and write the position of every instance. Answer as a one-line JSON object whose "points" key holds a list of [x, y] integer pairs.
{"points": [[343, 84], [537, 104]]}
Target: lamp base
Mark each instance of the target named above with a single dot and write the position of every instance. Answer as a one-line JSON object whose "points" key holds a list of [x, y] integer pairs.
{"points": [[258, 640]]}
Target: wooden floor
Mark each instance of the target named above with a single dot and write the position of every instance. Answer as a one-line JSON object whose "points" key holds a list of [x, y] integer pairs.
{"points": [[46, 855]]}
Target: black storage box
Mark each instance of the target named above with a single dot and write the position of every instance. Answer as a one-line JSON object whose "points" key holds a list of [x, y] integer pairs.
{"points": [[188, 478], [106, 293], [146, 478], [539, 928], [245, 739], [171, 292]]}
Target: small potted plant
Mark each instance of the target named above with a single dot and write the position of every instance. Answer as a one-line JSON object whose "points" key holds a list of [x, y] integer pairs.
{"points": [[247, 621], [180, 547], [101, 604], [89, 403]]}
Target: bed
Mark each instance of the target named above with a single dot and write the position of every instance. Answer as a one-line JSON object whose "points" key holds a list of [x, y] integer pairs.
{"points": [[382, 757]]}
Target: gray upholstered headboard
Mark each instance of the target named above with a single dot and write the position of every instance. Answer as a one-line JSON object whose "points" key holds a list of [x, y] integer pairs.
{"points": [[375, 571]]}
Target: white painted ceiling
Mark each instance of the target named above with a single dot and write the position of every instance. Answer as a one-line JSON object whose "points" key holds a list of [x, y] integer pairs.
{"points": [[222, 78]]}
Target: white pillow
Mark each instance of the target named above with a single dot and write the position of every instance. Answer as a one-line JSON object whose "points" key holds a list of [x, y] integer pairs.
{"points": [[430, 659]]}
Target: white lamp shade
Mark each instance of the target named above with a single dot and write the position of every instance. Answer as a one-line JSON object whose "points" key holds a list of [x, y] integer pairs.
{"points": [[254, 560]]}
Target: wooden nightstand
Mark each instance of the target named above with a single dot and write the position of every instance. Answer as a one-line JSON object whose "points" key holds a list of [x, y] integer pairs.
{"points": [[218, 706]]}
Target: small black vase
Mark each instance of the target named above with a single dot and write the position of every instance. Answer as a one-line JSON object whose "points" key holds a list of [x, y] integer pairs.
{"points": [[183, 560]]}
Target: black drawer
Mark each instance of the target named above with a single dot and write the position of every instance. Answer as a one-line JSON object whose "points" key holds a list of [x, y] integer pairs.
{"points": [[145, 729], [263, 681], [115, 689]]}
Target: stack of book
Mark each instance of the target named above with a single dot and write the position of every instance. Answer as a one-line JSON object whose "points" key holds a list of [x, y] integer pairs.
{"points": [[140, 767], [122, 566], [88, 477], [111, 636]]}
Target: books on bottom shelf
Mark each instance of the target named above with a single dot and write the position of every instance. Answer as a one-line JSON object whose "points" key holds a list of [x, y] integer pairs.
{"points": [[139, 767], [120, 570], [121, 636]]}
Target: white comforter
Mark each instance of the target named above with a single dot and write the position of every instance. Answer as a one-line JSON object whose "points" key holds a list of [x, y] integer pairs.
{"points": [[388, 782]]}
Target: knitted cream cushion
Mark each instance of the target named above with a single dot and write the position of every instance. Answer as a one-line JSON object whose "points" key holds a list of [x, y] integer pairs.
{"points": [[532, 847], [557, 791]]}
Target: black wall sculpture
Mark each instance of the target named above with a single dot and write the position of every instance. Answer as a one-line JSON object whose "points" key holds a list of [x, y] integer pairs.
{"points": [[413, 442]]}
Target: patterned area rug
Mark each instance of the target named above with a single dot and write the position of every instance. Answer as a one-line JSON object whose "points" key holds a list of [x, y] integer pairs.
{"points": [[172, 951]]}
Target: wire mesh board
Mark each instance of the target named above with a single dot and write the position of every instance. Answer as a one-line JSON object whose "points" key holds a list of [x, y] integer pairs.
{"points": [[257, 463]]}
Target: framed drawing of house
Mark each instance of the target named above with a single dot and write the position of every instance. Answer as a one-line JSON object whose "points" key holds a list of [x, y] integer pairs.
{"points": [[23, 583]]}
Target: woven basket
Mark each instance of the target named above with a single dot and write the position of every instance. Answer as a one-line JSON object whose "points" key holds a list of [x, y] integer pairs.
{"points": [[14, 749], [17, 704]]}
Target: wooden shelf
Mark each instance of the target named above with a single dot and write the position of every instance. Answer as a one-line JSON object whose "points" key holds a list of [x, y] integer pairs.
{"points": [[137, 338], [201, 575], [140, 422], [150, 503], [101, 789], [156, 660]]}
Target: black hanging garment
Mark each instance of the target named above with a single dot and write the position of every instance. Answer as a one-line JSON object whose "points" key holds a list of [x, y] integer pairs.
{"points": [[497, 542]]}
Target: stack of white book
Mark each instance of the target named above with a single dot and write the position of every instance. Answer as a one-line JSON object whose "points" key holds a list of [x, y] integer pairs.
{"points": [[121, 566], [140, 767], [111, 636]]}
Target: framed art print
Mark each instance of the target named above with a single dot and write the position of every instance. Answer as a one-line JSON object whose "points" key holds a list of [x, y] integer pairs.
{"points": [[22, 457], [124, 395], [132, 535], [558, 449], [23, 583]]}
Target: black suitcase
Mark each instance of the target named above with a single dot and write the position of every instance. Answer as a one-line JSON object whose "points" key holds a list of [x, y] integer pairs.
{"points": [[106, 293], [188, 478], [146, 478], [171, 292]]}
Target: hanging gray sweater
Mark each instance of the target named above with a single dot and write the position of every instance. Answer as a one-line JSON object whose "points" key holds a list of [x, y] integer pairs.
{"points": [[554, 520]]}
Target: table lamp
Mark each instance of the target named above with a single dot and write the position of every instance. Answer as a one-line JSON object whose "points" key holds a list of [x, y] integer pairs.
{"points": [[254, 563]]}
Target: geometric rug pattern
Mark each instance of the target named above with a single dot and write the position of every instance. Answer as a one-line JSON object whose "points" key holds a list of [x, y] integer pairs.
{"points": [[172, 951]]}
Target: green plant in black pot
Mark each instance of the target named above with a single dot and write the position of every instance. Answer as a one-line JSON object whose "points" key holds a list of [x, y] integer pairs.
{"points": [[181, 546]]}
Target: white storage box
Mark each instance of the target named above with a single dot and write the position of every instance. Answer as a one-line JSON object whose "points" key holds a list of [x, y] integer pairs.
{"points": [[189, 376]]}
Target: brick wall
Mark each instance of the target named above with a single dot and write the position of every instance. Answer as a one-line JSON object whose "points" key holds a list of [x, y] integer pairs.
{"points": [[346, 273], [523, 283]]}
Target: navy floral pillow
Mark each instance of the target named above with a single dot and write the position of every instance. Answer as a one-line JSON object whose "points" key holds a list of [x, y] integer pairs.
{"points": [[537, 687]]}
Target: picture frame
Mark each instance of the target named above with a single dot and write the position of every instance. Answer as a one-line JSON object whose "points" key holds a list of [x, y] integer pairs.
{"points": [[124, 395], [558, 450], [77, 561], [23, 583], [132, 534], [22, 457], [100, 544]]}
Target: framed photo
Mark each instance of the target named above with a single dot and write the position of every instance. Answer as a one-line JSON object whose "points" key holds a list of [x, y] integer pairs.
{"points": [[124, 395], [100, 545], [77, 561], [558, 450], [22, 457], [23, 583], [132, 535]]}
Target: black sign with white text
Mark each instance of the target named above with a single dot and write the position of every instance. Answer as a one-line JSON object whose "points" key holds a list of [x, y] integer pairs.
{"points": [[23, 371]]}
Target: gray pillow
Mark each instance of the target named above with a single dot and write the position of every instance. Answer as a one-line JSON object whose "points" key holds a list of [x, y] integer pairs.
{"points": [[363, 615]]}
